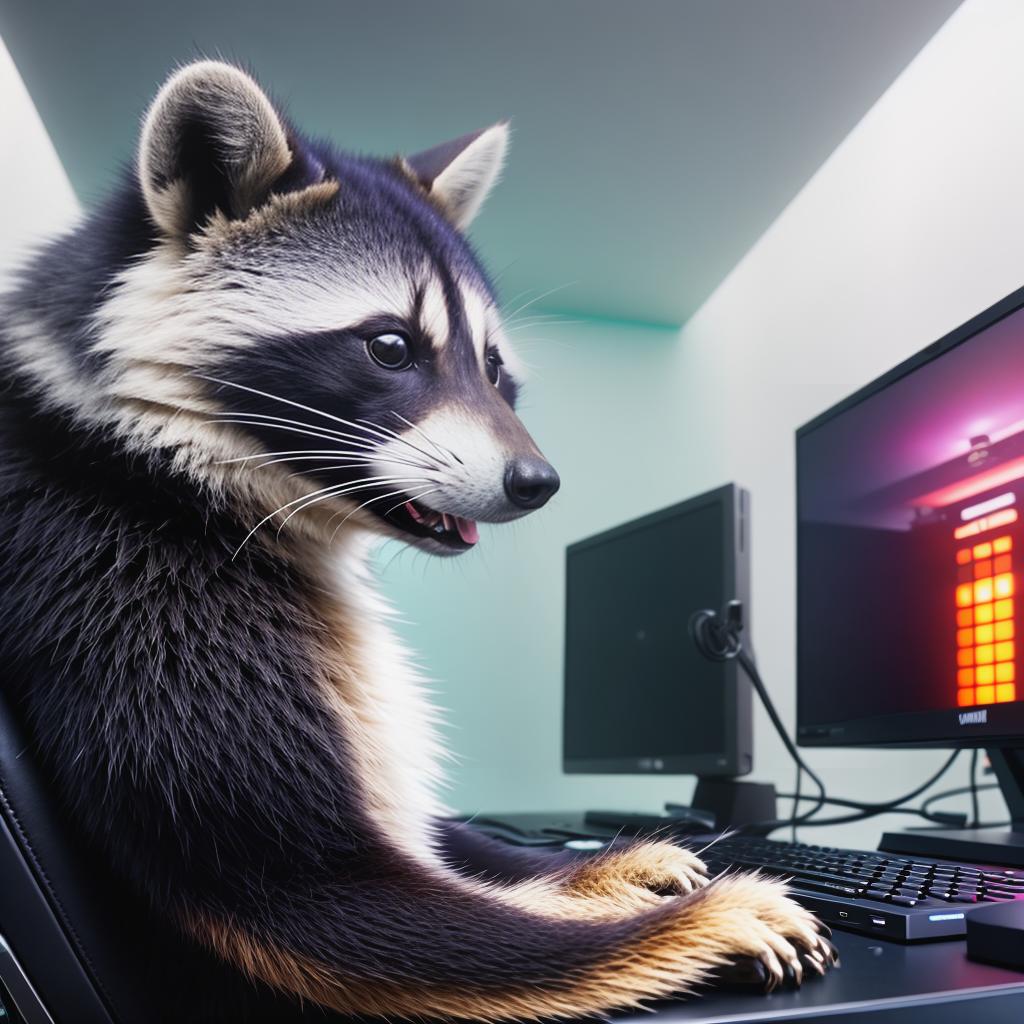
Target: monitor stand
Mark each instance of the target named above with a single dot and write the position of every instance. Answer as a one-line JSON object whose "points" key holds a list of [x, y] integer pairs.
{"points": [[982, 846], [718, 803]]}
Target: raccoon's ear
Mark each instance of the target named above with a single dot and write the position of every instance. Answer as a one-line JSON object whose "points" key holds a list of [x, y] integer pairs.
{"points": [[460, 174], [211, 140]]}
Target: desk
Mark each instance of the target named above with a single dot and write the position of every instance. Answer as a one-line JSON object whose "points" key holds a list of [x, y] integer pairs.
{"points": [[927, 983], [878, 981]]}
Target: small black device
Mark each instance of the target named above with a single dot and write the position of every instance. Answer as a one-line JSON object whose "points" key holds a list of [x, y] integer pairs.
{"points": [[910, 549], [995, 935], [639, 698]]}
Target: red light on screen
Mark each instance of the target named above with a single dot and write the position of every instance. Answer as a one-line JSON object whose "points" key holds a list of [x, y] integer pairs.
{"points": [[964, 489]]}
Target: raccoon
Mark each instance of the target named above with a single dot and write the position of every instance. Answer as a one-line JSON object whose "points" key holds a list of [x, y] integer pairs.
{"points": [[258, 357]]}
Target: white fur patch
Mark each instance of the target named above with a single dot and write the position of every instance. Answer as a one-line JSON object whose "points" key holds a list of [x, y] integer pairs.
{"points": [[385, 705], [174, 309], [466, 182], [434, 314], [470, 462], [476, 318]]}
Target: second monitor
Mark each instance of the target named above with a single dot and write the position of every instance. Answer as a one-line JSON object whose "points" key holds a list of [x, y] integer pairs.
{"points": [[639, 698]]}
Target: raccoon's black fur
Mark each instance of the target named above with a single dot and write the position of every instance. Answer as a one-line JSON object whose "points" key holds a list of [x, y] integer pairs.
{"points": [[251, 325]]}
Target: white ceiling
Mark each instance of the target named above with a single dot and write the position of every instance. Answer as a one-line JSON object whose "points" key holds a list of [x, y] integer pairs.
{"points": [[655, 140]]}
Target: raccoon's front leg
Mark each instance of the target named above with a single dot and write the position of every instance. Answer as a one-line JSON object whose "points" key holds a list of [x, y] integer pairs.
{"points": [[626, 871], [468, 850], [412, 944], [621, 872]]}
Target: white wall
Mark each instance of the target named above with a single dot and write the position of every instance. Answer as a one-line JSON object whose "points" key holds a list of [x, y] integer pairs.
{"points": [[36, 199], [912, 226]]}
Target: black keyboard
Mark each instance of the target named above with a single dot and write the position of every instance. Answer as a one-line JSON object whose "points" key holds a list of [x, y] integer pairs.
{"points": [[909, 899]]}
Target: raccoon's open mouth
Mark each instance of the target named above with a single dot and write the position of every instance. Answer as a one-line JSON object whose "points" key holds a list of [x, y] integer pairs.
{"points": [[452, 531]]}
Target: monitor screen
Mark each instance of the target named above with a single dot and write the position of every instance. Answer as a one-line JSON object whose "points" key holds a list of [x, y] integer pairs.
{"points": [[638, 695], [910, 546]]}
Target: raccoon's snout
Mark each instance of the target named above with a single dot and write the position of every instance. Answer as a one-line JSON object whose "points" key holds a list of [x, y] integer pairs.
{"points": [[530, 482]]}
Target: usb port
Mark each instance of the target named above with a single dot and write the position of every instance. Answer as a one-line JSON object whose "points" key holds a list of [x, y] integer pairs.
{"points": [[878, 922]]}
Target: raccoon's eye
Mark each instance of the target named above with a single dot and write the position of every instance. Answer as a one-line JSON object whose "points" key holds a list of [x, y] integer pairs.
{"points": [[492, 366], [390, 351]]}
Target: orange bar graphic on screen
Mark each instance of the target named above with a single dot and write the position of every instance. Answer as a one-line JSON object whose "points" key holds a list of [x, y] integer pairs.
{"points": [[985, 523], [986, 649]]}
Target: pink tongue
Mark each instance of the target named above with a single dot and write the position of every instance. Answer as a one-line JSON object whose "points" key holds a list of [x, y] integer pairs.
{"points": [[467, 530]]}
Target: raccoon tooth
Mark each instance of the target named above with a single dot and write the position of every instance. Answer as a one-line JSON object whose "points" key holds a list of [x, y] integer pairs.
{"points": [[414, 512], [446, 520]]}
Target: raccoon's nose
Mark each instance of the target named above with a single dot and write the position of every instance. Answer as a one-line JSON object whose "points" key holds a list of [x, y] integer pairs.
{"points": [[530, 482]]}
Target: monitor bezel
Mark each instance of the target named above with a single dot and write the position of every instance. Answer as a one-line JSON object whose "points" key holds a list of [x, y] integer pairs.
{"points": [[1004, 724], [736, 757]]}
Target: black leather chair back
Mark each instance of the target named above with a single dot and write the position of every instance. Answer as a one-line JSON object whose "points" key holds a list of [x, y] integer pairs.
{"points": [[92, 952]]}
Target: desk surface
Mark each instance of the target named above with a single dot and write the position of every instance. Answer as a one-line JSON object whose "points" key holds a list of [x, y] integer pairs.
{"points": [[932, 982], [927, 983]]}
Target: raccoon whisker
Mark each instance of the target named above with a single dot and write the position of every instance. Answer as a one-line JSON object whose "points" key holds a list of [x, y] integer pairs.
{"points": [[415, 497], [318, 452], [424, 434], [398, 437], [318, 455], [380, 497], [334, 488], [287, 401], [369, 447], [357, 485], [543, 295], [349, 465], [360, 439], [350, 460]]}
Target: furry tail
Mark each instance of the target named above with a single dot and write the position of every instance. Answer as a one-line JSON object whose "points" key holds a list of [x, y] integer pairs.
{"points": [[444, 947]]}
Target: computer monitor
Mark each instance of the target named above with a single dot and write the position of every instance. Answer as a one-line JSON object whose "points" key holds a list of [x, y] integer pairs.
{"points": [[910, 548], [639, 698]]}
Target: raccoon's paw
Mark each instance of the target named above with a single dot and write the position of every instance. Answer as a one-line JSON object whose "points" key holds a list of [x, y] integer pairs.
{"points": [[644, 871], [774, 939]]}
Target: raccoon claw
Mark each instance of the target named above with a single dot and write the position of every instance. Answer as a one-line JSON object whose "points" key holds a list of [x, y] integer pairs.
{"points": [[828, 951], [744, 973]]}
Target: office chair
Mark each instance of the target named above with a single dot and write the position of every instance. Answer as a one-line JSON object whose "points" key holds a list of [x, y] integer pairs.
{"points": [[76, 947]]}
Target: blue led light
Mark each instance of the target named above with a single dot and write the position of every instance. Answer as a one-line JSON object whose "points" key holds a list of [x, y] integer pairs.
{"points": [[591, 844], [946, 917]]}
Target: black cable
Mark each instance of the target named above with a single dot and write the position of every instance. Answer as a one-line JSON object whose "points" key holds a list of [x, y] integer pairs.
{"points": [[843, 819], [717, 637], [796, 801], [881, 806], [958, 791], [957, 820], [975, 816], [755, 677]]}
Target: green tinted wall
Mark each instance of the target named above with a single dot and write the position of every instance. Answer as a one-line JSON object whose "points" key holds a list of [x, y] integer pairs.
{"points": [[603, 402]]}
